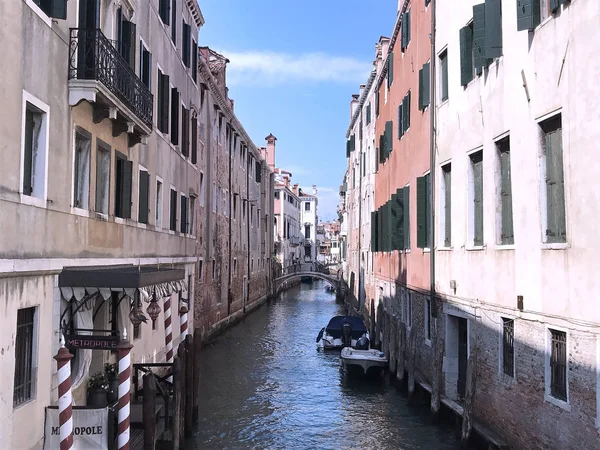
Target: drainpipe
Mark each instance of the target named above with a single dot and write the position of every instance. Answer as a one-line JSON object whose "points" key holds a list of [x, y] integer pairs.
{"points": [[230, 194], [248, 230], [432, 171], [360, 269]]}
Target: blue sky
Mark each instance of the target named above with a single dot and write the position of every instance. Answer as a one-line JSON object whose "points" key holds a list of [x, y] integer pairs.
{"points": [[294, 66]]}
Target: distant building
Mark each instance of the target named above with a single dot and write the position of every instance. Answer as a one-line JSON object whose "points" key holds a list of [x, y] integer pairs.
{"points": [[308, 224]]}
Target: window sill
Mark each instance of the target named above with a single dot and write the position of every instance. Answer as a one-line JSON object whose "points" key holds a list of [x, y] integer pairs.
{"points": [[100, 216], [143, 226], [475, 248], [555, 246], [120, 220], [171, 232], [42, 15], [80, 212], [445, 249], [426, 250], [501, 247], [443, 103], [25, 403], [33, 201], [556, 402], [428, 342]]}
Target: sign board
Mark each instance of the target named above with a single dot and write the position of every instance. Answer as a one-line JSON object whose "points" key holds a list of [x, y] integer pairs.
{"points": [[90, 429], [74, 341]]}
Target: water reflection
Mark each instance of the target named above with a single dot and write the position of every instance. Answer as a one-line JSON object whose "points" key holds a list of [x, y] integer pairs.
{"points": [[264, 385]]}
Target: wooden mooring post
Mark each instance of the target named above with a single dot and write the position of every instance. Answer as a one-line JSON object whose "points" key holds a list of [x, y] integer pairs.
{"points": [[177, 397], [385, 347], [400, 367], [436, 384], [412, 345], [189, 384], [182, 381], [393, 345], [196, 353], [467, 422], [149, 411]]}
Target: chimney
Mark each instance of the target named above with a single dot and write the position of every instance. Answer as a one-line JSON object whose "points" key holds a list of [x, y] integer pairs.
{"points": [[361, 90], [353, 105], [314, 189], [295, 189], [270, 152]]}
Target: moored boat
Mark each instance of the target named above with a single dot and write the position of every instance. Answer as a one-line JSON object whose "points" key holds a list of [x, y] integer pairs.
{"points": [[343, 331], [363, 359]]}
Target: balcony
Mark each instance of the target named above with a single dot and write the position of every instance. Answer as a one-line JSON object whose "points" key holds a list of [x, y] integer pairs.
{"points": [[100, 75]]}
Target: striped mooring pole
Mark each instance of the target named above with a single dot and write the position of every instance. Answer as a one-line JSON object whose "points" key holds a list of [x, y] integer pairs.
{"points": [[168, 329], [65, 397], [123, 417], [183, 320]]}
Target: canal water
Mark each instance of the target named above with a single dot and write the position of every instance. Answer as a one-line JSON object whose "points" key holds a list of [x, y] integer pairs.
{"points": [[264, 385]]}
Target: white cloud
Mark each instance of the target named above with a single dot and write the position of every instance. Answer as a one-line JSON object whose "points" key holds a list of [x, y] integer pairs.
{"points": [[269, 68]]}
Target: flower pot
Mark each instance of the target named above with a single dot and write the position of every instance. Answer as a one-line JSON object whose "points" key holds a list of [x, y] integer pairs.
{"points": [[96, 398], [113, 391]]}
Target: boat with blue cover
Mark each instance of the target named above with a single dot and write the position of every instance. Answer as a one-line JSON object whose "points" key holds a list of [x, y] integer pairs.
{"points": [[344, 331]]}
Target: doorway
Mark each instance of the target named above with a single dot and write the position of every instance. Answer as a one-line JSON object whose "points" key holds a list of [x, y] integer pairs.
{"points": [[457, 354]]}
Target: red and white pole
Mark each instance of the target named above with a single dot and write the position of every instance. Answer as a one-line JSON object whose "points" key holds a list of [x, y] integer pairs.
{"points": [[123, 417], [168, 329], [65, 397], [183, 320]]}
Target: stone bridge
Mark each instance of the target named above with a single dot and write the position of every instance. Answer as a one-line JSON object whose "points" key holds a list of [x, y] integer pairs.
{"points": [[329, 273]]}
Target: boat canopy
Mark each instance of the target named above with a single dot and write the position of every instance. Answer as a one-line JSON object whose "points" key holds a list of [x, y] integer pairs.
{"points": [[334, 327]]}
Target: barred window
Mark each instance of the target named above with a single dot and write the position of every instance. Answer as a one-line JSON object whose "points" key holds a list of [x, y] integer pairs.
{"points": [[508, 347], [24, 351], [558, 365]]}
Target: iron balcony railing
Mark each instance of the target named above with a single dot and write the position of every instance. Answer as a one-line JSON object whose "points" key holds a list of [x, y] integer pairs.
{"points": [[92, 56]]}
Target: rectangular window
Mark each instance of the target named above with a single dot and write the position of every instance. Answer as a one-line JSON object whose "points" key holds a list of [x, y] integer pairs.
{"points": [[173, 211], [186, 35], [164, 10], [214, 270], [405, 39], [174, 116], [192, 216], [505, 193], [35, 147], [476, 198], [81, 175], [102, 176], [159, 204], [424, 88], [307, 231], [444, 75], [423, 208], [446, 198], [258, 172], [194, 125], [555, 229], [194, 61], [185, 131], [307, 206], [174, 21], [508, 346], [183, 219], [558, 364], [124, 171], [25, 351], [202, 189], [368, 113], [144, 196], [145, 66], [162, 110]]}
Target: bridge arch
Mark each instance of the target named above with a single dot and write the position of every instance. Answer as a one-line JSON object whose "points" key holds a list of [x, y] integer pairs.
{"points": [[332, 280]]}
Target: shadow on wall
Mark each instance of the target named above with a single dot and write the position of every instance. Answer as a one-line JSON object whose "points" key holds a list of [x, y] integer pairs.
{"points": [[535, 385]]}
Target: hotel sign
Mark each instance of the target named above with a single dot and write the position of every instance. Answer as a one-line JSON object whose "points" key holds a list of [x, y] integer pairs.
{"points": [[75, 341]]}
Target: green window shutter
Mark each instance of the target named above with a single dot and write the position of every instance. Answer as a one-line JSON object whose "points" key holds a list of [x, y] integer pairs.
{"points": [[426, 84], [493, 28], [407, 112], [528, 14], [376, 159], [380, 236], [143, 200], [477, 161], [194, 141], [382, 149], [185, 43], [554, 5], [194, 62], [479, 37], [466, 55], [394, 222], [404, 32], [377, 103], [390, 73], [373, 230], [28, 156], [422, 212], [401, 119], [174, 116], [128, 42], [183, 215], [164, 10], [555, 189], [399, 224], [126, 189], [389, 131], [447, 205], [173, 211], [444, 69], [406, 213], [428, 210], [369, 113], [56, 9], [507, 236], [165, 104], [420, 89]]}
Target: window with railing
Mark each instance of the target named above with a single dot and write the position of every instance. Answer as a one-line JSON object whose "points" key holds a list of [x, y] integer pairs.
{"points": [[508, 346], [558, 364], [24, 354]]}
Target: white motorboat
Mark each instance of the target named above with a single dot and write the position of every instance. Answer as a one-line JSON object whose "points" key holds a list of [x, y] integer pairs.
{"points": [[343, 331], [365, 359]]}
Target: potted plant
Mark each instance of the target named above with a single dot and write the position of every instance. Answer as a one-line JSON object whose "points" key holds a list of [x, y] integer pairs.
{"points": [[112, 376], [97, 390]]}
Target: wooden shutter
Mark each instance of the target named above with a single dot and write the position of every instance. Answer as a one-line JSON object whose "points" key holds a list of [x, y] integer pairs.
{"points": [[258, 172], [174, 116], [369, 113], [165, 104], [447, 205], [185, 43], [54, 8], [389, 131], [405, 29], [348, 148], [406, 213], [389, 225], [143, 199], [479, 37], [555, 190], [399, 224], [394, 223], [507, 236], [466, 55], [183, 223], [164, 9], [420, 89], [28, 156], [426, 84], [444, 64], [173, 211], [174, 23], [128, 41], [382, 148], [477, 161], [373, 231], [126, 189], [146, 66], [528, 14], [194, 141], [493, 28], [390, 73], [185, 127], [376, 159], [194, 61], [406, 112], [401, 120], [422, 212], [377, 103]]}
